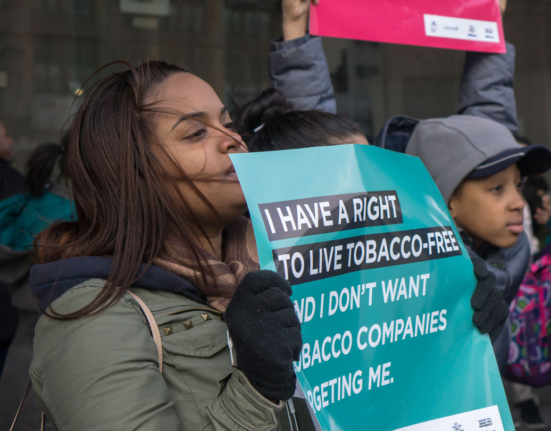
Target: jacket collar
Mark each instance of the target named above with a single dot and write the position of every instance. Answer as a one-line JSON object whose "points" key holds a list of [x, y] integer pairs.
{"points": [[51, 280]]}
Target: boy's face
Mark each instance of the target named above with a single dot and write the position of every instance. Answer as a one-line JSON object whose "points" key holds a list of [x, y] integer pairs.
{"points": [[490, 209]]}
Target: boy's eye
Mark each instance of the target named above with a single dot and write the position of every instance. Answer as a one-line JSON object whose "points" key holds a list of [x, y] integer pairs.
{"points": [[521, 183], [497, 189]]}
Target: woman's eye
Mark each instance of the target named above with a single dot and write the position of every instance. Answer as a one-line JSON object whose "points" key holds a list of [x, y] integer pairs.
{"points": [[197, 134], [230, 126]]}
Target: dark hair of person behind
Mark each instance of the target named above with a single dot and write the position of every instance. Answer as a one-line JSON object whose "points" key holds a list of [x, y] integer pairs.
{"points": [[126, 202], [269, 123], [533, 190], [522, 140], [40, 166]]}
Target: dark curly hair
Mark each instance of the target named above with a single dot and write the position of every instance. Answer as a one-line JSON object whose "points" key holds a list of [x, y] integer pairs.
{"points": [[269, 123]]}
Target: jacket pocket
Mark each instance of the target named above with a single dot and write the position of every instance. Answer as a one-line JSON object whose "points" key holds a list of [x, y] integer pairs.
{"points": [[197, 362], [197, 333]]}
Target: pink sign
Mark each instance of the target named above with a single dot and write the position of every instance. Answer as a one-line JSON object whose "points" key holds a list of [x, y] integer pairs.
{"points": [[471, 25]]}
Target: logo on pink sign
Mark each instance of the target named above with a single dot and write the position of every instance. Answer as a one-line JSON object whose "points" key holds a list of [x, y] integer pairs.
{"points": [[471, 25]]}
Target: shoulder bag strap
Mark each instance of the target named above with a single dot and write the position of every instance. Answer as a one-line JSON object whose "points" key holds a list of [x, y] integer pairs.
{"points": [[42, 422], [153, 328]]}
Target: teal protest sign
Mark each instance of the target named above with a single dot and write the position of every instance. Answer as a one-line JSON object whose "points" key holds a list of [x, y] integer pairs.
{"points": [[382, 286]]}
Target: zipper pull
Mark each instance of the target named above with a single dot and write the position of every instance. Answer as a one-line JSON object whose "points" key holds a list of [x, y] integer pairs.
{"points": [[291, 407], [230, 345]]}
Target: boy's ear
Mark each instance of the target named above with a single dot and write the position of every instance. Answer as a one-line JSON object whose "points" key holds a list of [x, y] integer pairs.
{"points": [[453, 203], [452, 206]]}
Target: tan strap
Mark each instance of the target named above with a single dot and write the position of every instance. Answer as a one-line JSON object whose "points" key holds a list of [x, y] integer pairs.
{"points": [[42, 422], [153, 328], [21, 406]]}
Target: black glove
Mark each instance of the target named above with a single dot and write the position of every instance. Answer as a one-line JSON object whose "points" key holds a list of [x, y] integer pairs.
{"points": [[490, 310], [265, 332]]}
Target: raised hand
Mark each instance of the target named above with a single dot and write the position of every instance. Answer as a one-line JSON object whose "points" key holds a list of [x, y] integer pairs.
{"points": [[502, 6], [295, 17]]}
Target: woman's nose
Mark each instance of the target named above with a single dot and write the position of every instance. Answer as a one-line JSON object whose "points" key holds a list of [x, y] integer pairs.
{"points": [[231, 142]]}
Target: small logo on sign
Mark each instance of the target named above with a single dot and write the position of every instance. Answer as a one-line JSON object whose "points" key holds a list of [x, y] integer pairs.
{"points": [[457, 427], [433, 27]]}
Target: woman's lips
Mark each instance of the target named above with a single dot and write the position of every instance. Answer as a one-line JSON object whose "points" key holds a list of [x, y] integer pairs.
{"points": [[516, 228], [230, 173]]}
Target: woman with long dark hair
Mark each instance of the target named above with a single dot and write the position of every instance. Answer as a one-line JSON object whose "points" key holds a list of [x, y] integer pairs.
{"points": [[155, 314]]}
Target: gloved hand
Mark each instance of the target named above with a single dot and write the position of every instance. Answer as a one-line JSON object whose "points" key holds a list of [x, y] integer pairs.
{"points": [[490, 310], [266, 334]]}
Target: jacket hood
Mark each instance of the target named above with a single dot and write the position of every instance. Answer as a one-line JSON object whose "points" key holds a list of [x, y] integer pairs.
{"points": [[51, 280], [396, 133]]}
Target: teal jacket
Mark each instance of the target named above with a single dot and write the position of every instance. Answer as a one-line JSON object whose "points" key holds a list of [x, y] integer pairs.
{"points": [[23, 217]]}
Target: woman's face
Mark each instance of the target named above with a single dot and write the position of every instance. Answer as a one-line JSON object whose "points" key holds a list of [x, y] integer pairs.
{"points": [[199, 149]]}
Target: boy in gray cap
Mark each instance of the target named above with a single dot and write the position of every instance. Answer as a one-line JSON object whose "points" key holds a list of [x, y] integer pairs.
{"points": [[478, 167]]}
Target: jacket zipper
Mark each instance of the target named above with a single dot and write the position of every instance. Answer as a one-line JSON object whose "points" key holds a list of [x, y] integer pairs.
{"points": [[210, 310]]}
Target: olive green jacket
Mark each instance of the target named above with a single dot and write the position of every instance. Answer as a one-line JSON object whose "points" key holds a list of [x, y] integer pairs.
{"points": [[102, 372]]}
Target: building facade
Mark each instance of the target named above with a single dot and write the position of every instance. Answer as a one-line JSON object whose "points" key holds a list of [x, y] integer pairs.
{"points": [[49, 48]]}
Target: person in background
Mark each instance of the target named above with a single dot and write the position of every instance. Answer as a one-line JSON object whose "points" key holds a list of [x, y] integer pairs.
{"points": [[542, 203], [536, 215], [11, 182], [534, 192], [22, 217], [270, 123]]}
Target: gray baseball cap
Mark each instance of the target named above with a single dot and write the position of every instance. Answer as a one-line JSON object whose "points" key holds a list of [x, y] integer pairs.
{"points": [[463, 146]]}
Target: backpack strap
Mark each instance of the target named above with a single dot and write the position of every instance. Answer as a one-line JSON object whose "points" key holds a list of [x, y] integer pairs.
{"points": [[153, 328]]}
